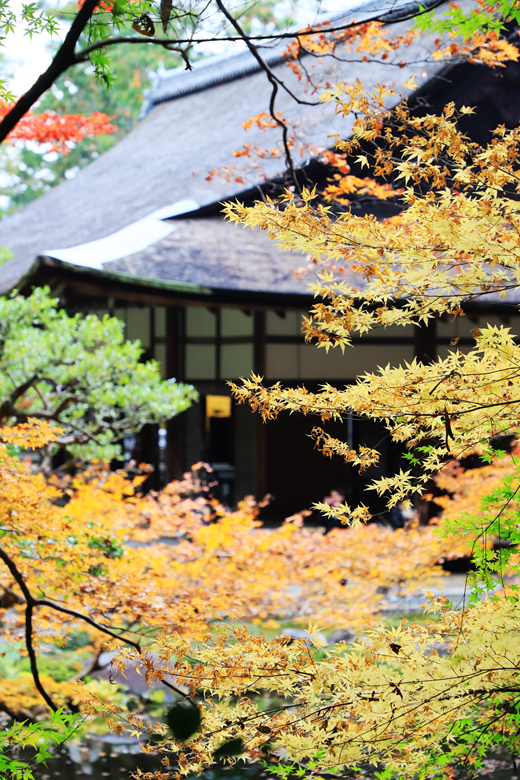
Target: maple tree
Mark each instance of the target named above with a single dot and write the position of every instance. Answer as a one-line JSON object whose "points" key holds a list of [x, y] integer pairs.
{"points": [[102, 25], [456, 241], [415, 700], [371, 41], [56, 134], [33, 170], [58, 130], [96, 27], [116, 576], [412, 700]]}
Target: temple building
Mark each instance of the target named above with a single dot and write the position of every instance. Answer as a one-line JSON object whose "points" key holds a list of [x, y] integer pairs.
{"points": [[139, 234]]}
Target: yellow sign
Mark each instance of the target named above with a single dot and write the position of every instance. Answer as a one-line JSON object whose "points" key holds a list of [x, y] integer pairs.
{"points": [[217, 406]]}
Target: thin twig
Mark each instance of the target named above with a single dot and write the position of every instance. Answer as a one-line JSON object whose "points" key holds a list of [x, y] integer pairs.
{"points": [[31, 603], [389, 17], [86, 619], [275, 83]]}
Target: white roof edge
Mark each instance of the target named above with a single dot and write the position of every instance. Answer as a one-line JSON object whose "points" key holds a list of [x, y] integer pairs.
{"points": [[133, 238]]}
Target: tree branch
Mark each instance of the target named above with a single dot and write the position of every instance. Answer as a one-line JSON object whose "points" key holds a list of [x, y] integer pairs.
{"points": [[86, 619], [17, 576], [171, 45], [7, 409], [275, 82], [62, 61], [32, 658], [31, 603], [66, 57], [408, 11]]}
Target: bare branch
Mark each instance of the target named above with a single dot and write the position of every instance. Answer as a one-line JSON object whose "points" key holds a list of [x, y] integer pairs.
{"points": [[275, 82], [409, 11], [167, 43]]}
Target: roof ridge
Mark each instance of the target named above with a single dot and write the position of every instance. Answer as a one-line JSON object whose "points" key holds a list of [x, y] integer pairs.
{"points": [[219, 69], [171, 84]]}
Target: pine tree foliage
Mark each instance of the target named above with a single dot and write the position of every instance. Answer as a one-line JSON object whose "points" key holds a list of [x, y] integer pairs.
{"points": [[78, 373]]}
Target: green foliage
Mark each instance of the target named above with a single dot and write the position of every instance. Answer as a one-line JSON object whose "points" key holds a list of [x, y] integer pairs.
{"points": [[285, 771], [107, 545], [78, 92], [77, 640], [60, 665], [78, 373], [496, 517], [10, 659], [42, 737], [30, 19], [5, 255], [483, 18]]}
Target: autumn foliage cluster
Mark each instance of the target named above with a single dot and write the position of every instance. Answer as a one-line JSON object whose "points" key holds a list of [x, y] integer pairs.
{"points": [[58, 130], [150, 563], [314, 59], [455, 239], [146, 573], [417, 700], [395, 698]]}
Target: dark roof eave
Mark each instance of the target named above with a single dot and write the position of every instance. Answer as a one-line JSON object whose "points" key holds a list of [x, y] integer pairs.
{"points": [[20, 280], [110, 284], [100, 283], [189, 287]]}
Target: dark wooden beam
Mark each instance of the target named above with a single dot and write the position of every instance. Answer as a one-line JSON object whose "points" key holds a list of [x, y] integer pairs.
{"points": [[90, 283], [174, 369], [259, 367]]}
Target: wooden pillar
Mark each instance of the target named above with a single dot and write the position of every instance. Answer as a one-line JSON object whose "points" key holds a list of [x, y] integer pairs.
{"points": [[174, 369], [259, 360]]}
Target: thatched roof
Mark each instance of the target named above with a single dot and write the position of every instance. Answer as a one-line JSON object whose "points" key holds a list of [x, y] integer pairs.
{"points": [[210, 252], [193, 126]]}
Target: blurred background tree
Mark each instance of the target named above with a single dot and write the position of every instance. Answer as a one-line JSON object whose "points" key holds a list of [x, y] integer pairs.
{"points": [[30, 169]]}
